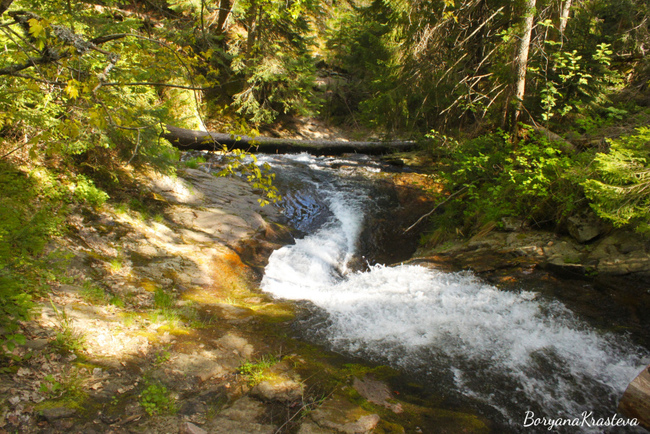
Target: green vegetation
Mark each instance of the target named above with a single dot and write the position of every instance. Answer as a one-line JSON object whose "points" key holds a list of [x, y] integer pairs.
{"points": [[498, 178], [92, 293], [156, 399], [194, 163], [621, 191], [68, 339], [534, 110], [65, 390], [256, 372]]}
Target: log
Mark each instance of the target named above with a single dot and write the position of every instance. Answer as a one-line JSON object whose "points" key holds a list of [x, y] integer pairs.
{"points": [[635, 402], [185, 140], [564, 145]]}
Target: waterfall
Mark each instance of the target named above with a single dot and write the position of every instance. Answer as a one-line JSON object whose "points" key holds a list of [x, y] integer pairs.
{"points": [[511, 351]]}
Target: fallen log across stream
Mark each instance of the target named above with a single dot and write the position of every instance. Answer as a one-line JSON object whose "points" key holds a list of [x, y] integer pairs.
{"points": [[185, 140], [635, 402]]}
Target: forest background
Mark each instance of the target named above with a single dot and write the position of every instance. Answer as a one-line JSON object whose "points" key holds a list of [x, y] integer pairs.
{"points": [[532, 110]]}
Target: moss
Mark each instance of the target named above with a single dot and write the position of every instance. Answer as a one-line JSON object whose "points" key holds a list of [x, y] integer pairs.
{"points": [[379, 372], [385, 427], [572, 260]]}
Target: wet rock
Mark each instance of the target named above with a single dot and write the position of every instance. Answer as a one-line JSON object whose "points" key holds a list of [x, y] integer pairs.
{"points": [[56, 413], [376, 392], [339, 414], [190, 428]]}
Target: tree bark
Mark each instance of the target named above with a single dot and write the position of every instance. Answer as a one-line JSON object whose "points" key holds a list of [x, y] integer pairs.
{"points": [[521, 60], [185, 140], [251, 27], [635, 402], [564, 16], [4, 5], [224, 11]]}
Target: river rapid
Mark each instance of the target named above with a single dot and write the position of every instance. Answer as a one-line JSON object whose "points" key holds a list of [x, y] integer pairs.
{"points": [[502, 353]]}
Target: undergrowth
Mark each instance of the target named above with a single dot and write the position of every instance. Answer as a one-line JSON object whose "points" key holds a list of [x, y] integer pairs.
{"points": [[32, 209], [535, 182]]}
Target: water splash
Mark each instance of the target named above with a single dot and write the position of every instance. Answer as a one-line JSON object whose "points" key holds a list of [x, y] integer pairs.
{"points": [[512, 351]]}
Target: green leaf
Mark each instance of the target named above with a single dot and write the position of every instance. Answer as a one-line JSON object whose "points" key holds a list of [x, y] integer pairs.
{"points": [[72, 88], [35, 27]]}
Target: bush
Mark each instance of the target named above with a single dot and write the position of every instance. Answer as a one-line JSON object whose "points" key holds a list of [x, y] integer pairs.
{"points": [[31, 210], [532, 180], [620, 192], [86, 191]]}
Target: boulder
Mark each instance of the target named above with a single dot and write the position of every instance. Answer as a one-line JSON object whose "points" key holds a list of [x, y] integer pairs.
{"points": [[585, 227], [341, 415]]}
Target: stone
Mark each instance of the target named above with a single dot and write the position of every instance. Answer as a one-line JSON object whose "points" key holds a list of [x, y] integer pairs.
{"points": [[279, 388], [191, 407], [511, 224], [310, 427], [36, 344], [235, 343], [56, 413], [585, 227], [241, 418], [376, 392], [190, 369], [340, 414], [190, 428]]}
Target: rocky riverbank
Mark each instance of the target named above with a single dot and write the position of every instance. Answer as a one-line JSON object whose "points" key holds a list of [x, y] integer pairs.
{"points": [[606, 271], [160, 327]]}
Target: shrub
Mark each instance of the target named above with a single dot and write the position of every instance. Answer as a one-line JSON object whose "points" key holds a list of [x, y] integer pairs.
{"points": [[31, 211], [156, 399], [620, 192], [531, 179]]}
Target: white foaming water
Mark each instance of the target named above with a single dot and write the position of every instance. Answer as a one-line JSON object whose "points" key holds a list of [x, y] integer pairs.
{"points": [[508, 350]]}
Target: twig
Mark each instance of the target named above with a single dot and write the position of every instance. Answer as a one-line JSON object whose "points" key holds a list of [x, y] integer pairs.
{"points": [[434, 209], [137, 145], [146, 83]]}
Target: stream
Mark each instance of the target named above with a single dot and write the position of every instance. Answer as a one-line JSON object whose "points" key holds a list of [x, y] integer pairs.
{"points": [[498, 352]]}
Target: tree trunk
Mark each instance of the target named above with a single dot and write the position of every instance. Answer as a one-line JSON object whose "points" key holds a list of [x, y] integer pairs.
{"points": [[251, 27], [521, 60], [635, 402], [224, 12], [186, 140], [564, 17], [4, 5]]}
